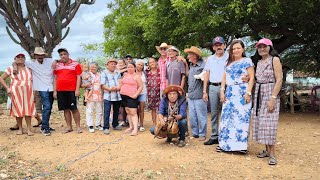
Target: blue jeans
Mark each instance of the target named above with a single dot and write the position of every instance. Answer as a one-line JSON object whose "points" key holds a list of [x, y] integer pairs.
{"points": [[106, 114], [198, 116], [47, 101], [214, 97]]}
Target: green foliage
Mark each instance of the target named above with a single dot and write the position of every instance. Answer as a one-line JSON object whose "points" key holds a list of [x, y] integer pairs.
{"points": [[136, 27]]}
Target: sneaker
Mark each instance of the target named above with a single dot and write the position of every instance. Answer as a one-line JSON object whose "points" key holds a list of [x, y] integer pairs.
{"points": [[181, 143], [119, 127], [142, 129], [46, 132], [100, 128], [106, 131], [91, 129]]}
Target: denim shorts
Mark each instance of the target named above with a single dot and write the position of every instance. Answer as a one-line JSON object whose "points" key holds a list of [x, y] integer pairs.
{"points": [[142, 98]]}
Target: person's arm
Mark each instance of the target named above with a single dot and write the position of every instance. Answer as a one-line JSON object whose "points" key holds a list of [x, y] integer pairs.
{"points": [[182, 112], [223, 88], [183, 80], [140, 86], [277, 68], [55, 87], [181, 58], [251, 83], [162, 107], [77, 92], [3, 78], [205, 86]]}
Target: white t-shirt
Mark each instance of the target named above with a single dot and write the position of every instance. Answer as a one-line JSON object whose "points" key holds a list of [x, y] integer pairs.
{"points": [[42, 74]]}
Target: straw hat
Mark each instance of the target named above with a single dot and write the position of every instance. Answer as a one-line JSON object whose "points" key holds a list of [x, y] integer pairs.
{"points": [[111, 60], [38, 51], [194, 50], [162, 45]]}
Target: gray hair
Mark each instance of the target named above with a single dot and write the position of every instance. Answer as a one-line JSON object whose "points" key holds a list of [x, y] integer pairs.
{"points": [[94, 63], [140, 61]]}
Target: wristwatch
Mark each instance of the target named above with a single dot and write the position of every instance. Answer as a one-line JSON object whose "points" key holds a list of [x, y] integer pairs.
{"points": [[249, 93]]}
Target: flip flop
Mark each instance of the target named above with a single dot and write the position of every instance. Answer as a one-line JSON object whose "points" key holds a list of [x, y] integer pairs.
{"points": [[218, 149], [14, 128], [263, 154], [133, 134], [79, 131], [67, 131], [38, 124]]}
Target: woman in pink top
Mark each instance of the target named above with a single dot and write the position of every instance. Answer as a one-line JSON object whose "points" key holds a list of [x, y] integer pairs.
{"points": [[130, 89]]}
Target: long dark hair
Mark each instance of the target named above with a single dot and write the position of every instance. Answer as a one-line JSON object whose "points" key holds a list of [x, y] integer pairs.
{"points": [[231, 59], [272, 52]]}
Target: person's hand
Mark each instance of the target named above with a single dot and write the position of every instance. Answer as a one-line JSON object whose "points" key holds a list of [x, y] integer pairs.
{"points": [[134, 96], [205, 97], [181, 58], [163, 121], [54, 64], [247, 98], [77, 93], [245, 78], [271, 104], [9, 92], [55, 94], [222, 97]]}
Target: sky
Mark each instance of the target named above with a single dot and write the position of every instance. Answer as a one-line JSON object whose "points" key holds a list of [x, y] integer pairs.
{"points": [[86, 27]]}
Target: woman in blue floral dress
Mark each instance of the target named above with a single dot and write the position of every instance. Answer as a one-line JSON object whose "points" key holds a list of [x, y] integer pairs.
{"points": [[236, 98]]}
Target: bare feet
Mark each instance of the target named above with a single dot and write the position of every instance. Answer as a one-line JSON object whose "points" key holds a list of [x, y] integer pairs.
{"points": [[129, 130], [19, 132], [79, 130], [133, 133]]}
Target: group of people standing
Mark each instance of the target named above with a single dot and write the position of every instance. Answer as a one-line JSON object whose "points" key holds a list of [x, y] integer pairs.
{"points": [[166, 87]]}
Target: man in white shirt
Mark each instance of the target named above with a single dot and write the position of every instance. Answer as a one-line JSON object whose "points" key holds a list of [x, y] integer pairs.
{"points": [[42, 75], [214, 68]]}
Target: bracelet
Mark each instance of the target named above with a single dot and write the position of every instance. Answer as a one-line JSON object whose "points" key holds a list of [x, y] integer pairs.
{"points": [[274, 97], [222, 89]]}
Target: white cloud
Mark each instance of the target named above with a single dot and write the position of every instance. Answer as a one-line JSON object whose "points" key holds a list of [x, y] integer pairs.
{"points": [[86, 27]]}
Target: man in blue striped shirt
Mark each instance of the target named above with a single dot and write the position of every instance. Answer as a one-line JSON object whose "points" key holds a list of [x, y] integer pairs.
{"points": [[110, 83]]}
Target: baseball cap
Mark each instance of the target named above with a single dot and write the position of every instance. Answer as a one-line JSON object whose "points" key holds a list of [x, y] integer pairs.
{"points": [[62, 49], [218, 39], [20, 54], [264, 41]]}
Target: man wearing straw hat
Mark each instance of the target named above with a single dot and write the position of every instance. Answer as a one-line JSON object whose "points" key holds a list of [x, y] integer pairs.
{"points": [[42, 75], [197, 100]]}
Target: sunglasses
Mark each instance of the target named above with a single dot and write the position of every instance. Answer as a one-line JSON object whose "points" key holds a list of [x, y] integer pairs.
{"points": [[163, 49]]}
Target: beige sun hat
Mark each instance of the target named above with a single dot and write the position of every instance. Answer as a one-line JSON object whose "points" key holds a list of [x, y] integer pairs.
{"points": [[111, 60], [39, 51], [194, 50], [162, 45]]}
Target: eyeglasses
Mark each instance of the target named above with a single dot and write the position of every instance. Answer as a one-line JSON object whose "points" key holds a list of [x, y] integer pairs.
{"points": [[163, 49]]}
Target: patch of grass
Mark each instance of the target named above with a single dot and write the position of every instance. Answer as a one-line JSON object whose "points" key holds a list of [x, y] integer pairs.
{"points": [[149, 174], [11, 155], [61, 168], [3, 162]]}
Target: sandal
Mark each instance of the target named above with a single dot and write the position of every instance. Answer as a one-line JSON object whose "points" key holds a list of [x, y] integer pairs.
{"points": [[79, 131], [263, 154], [67, 131], [272, 160]]}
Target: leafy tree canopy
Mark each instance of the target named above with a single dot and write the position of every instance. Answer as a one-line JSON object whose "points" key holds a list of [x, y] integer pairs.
{"points": [[137, 26]]}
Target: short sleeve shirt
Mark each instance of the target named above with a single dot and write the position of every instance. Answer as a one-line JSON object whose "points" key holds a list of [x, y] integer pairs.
{"points": [[111, 80], [66, 75], [216, 66], [175, 70]]}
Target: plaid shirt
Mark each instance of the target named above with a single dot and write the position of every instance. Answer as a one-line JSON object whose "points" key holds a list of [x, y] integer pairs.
{"points": [[162, 64], [111, 80]]}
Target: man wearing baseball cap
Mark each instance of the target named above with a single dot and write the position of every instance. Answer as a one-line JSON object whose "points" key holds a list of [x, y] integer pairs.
{"points": [[67, 88], [214, 71]]}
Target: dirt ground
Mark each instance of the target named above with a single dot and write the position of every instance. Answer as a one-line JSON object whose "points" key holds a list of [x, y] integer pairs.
{"points": [[119, 156]]}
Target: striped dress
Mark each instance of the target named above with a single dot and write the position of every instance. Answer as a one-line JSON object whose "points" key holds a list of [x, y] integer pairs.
{"points": [[21, 93], [265, 124]]}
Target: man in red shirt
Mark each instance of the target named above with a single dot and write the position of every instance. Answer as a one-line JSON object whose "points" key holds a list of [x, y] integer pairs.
{"points": [[67, 88]]}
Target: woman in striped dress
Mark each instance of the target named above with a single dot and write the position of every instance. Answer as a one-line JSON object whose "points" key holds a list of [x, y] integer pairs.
{"points": [[267, 102], [21, 93]]}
